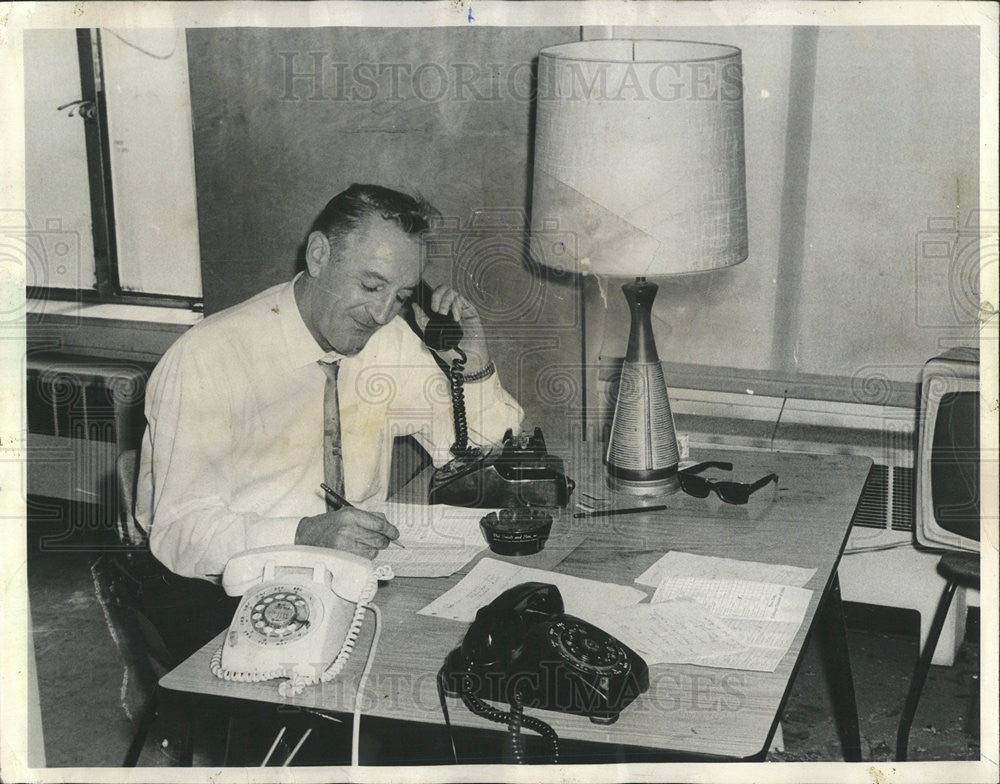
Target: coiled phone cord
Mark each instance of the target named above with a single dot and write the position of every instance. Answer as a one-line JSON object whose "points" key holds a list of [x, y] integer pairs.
{"points": [[362, 682], [456, 378], [514, 719]]}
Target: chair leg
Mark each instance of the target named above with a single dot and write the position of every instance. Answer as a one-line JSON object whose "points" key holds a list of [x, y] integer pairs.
{"points": [[142, 730], [921, 670]]}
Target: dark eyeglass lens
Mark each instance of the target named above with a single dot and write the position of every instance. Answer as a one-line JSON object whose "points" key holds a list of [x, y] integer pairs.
{"points": [[732, 492], [695, 485]]}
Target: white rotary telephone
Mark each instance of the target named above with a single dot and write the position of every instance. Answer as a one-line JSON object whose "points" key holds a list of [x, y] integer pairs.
{"points": [[300, 616]]}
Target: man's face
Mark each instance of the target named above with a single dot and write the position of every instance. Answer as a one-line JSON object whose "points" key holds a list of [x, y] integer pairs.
{"points": [[353, 290]]}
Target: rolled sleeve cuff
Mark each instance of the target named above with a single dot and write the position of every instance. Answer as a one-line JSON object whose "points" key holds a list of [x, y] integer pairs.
{"points": [[272, 531]]}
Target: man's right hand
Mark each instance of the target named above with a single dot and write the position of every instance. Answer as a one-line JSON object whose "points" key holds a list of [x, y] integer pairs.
{"points": [[349, 529]]}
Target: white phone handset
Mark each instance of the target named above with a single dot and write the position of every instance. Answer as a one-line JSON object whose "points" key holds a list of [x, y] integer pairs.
{"points": [[349, 574], [300, 616]]}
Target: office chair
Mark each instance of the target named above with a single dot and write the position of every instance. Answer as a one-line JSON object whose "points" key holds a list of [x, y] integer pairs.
{"points": [[958, 569], [119, 575]]}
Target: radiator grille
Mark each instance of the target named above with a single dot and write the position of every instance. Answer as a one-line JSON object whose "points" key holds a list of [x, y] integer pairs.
{"points": [[887, 499], [86, 399], [903, 499], [81, 413]]}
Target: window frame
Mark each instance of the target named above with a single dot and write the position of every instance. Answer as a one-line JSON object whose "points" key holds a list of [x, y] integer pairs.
{"points": [[107, 287]]}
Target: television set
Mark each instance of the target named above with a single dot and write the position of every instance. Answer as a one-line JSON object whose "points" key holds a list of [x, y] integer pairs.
{"points": [[947, 457]]}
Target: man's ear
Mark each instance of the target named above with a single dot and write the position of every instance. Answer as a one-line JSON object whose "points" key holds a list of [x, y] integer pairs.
{"points": [[317, 253]]}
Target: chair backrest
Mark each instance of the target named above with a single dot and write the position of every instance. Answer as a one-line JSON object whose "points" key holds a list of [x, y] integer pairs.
{"points": [[120, 579], [127, 470]]}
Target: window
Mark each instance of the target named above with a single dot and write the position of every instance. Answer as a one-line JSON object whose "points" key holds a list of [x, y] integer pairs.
{"points": [[109, 163]]}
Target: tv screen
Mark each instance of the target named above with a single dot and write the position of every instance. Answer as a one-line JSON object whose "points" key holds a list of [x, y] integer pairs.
{"points": [[955, 464]]}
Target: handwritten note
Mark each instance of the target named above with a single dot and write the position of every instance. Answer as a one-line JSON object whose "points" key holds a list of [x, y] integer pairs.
{"points": [[739, 599], [439, 540], [678, 632], [678, 564], [761, 618], [490, 577]]}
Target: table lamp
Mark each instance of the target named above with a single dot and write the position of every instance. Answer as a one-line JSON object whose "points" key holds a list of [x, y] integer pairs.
{"points": [[639, 156]]}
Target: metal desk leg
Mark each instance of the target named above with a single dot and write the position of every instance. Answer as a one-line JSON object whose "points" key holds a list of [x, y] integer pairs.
{"points": [[837, 663]]}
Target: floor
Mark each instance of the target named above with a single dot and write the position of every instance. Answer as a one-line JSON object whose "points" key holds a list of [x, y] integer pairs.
{"points": [[89, 707]]}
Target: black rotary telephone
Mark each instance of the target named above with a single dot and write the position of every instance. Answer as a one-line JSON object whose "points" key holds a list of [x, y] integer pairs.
{"points": [[523, 650], [521, 472]]}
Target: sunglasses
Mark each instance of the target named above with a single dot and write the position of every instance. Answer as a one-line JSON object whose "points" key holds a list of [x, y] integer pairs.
{"points": [[730, 492]]}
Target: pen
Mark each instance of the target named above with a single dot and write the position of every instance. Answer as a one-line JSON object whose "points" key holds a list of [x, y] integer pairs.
{"points": [[630, 510], [341, 501]]}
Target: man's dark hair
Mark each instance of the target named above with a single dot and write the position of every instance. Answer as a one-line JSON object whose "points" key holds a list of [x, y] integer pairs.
{"points": [[349, 209]]}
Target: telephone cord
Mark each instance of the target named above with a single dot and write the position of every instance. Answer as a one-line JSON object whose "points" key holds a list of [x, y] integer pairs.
{"points": [[362, 682], [514, 727], [541, 728], [456, 379], [487, 711], [444, 712]]}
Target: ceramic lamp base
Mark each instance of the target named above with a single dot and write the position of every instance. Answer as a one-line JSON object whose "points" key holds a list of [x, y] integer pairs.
{"points": [[642, 454]]}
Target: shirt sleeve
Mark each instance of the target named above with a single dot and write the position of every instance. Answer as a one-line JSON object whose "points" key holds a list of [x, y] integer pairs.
{"points": [[489, 410], [184, 491]]}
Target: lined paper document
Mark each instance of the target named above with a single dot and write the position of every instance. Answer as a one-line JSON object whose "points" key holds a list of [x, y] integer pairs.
{"points": [[677, 632], [715, 612], [678, 564], [490, 577], [439, 540], [738, 599]]}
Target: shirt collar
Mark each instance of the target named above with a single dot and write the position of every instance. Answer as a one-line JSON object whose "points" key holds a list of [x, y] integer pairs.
{"points": [[302, 348]]}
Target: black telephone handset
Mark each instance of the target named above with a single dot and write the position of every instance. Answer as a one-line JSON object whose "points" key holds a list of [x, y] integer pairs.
{"points": [[441, 332], [523, 650]]}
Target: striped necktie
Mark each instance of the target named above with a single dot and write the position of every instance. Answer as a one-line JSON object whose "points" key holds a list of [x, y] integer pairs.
{"points": [[333, 461]]}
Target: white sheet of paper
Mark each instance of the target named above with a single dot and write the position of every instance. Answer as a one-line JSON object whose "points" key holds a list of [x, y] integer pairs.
{"points": [[678, 632], [490, 577], [740, 624], [740, 599], [439, 540], [679, 564]]}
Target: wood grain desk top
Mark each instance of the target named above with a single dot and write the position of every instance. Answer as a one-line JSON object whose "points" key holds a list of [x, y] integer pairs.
{"points": [[804, 520]]}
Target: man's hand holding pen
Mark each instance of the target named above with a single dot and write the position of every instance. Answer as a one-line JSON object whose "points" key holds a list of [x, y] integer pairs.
{"points": [[347, 528]]}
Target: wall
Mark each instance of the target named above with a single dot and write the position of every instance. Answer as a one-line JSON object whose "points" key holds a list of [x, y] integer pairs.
{"points": [[894, 162], [856, 138], [284, 119]]}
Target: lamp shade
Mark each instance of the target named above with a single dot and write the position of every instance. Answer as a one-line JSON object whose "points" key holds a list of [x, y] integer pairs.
{"points": [[639, 158]]}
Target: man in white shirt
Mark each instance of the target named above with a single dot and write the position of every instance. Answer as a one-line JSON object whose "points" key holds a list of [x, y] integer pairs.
{"points": [[233, 458]]}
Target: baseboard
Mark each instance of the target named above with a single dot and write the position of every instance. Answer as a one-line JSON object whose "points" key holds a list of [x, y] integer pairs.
{"points": [[898, 621]]}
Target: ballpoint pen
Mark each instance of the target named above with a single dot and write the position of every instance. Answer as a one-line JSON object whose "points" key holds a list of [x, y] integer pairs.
{"points": [[341, 501], [630, 510]]}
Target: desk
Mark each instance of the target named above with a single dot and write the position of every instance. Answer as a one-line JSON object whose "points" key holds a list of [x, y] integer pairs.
{"points": [[698, 712]]}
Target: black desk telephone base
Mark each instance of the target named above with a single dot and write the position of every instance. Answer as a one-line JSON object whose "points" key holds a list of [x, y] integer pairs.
{"points": [[523, 650], [521, 472]]}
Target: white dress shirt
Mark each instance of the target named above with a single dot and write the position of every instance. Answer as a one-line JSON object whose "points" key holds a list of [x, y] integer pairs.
{"points": [[232, 457]]}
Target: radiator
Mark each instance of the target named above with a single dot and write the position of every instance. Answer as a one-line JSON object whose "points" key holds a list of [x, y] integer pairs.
{"points": [[81, 412]]}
